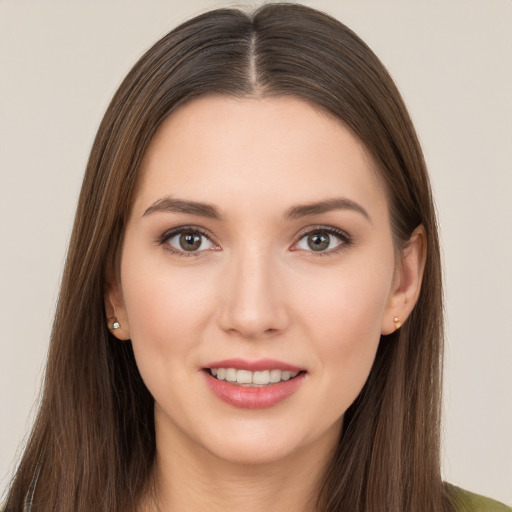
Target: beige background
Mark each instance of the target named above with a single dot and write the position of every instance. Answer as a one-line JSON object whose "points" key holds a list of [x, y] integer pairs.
{"points": [[61, 61]]}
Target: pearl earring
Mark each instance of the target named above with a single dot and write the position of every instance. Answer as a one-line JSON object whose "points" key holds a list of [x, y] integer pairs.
{"points": [[115, 324]]}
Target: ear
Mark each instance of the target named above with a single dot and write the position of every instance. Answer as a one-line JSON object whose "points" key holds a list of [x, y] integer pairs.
{"points": [[116, 311], [406, 282]]}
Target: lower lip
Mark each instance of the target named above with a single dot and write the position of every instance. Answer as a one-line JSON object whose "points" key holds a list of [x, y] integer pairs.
{"points": [[254, 398]]}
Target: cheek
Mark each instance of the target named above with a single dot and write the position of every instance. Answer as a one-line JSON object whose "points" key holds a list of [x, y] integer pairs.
{"points": [[349, 302], [166, 309], [345, 324]]}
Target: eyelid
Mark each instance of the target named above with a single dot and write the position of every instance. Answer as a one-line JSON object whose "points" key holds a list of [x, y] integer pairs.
{"points": [[170, 233], [343, 236]]}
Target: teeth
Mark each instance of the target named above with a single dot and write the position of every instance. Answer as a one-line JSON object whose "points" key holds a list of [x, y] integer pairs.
{"points": [[231, 375], [255, 379], [243, 376], [261, 377], [275, 375]]}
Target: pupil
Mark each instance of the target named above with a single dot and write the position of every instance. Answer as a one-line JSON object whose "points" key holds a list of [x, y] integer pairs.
{"points": [[318, 242], [190, 241]]}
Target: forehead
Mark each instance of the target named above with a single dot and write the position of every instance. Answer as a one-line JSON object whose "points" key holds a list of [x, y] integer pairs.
{"points": [[232, 150]]}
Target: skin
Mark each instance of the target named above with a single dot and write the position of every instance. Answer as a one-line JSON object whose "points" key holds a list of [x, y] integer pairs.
{"points": [[256, 289]]}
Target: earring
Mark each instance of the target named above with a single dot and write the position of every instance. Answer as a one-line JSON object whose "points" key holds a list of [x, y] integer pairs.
{"points": [[398, 324], [115, 324]]}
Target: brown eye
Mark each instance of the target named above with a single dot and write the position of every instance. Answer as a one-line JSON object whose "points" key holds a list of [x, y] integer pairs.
{"points": [[189, 241], [322, 240], [318, 241]]}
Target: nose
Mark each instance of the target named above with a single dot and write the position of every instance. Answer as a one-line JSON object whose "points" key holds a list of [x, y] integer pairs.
{"points": [[252, 304]]}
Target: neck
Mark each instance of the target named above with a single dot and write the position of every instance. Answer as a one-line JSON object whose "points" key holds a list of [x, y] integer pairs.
{"points": [[190, 479]]}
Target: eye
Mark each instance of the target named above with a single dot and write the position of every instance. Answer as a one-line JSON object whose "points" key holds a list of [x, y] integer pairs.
{"points": [[322, 240], [188, 241]]}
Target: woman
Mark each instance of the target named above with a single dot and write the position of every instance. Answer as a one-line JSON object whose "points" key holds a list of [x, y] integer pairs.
{"points": [[251, 311]]}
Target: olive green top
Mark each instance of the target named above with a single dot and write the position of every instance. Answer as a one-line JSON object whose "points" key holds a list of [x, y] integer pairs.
{"points": [[466, 501]]}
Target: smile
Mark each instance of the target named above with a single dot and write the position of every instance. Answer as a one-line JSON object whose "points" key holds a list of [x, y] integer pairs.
{"points": [[249, 378], [253, 384]]}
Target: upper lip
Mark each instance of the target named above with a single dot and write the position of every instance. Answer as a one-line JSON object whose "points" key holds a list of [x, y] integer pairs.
{"points": [[254, 366]]}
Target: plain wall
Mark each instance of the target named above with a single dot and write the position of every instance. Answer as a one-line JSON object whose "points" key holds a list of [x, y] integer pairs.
{"points": [[60, 63]]}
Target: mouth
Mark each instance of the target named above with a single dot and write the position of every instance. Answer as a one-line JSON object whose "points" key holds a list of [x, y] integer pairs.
{"points": [[252, 379], [253, 384]]}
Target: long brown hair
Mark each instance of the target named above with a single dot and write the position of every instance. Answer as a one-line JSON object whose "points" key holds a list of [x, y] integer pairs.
{"points": [[93, 442]]}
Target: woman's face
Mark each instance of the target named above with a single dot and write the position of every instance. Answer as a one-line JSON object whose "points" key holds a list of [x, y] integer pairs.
{"points": [[258, 248]]}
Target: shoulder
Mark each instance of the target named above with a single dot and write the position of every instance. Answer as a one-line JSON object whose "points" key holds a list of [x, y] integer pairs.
{"points": [[465, 501]]}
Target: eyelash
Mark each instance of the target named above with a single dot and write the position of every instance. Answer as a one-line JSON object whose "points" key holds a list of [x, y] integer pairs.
{"points": [[345, 239], [177, 231]]}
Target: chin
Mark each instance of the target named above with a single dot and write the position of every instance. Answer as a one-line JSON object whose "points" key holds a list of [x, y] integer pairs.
{"points": [[254, 453], [269, 444]]}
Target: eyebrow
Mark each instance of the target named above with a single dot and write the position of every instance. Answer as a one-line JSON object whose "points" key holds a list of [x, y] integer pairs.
{"points": [[170, 204], [173, 205], [328, 205]]}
